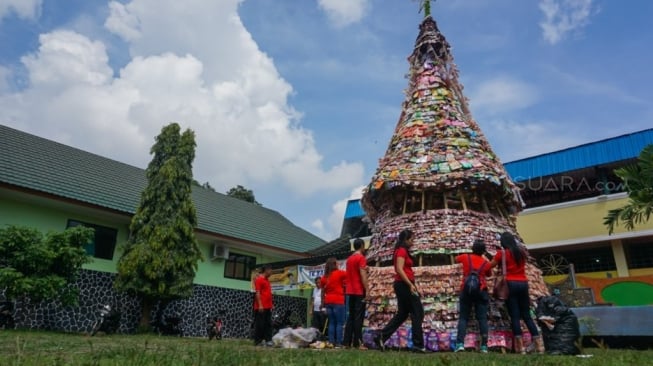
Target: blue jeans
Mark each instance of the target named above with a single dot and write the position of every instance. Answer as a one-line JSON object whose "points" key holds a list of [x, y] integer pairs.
{"points": [[336, 314], [518, 305], [480, 305]]}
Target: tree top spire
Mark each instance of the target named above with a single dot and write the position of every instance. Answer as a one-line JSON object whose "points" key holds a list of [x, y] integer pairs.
{"points": [[426, 6]]}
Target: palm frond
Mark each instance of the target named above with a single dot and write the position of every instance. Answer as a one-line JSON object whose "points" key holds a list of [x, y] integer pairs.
{"points": [[638, 180], [612, 219]]}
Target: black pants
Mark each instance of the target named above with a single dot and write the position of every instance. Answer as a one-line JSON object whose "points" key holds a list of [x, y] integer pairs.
{"points": [[262, 326], [518, 305], [354, 324], [318, 322], [480, 305], [407, 304]]}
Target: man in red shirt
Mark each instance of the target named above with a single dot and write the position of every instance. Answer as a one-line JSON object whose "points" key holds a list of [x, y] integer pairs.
{"points": [[263, 308], [356, 291]]}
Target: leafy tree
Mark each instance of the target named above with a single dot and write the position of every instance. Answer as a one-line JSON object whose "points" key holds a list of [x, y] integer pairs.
{"points": [[160, 258], [638, 179], [243, 193], [34, 267], [205, 185], [208, 186]]}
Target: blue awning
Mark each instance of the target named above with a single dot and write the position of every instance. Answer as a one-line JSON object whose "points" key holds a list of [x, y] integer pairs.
{"points": [[354, 209], [583, 156]]}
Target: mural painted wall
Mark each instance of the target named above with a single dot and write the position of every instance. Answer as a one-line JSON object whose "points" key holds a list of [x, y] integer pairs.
{"points": [[623, 291], [594, 289]]}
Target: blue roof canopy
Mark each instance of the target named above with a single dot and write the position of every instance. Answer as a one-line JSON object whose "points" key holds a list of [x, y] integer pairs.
{"points": [[354, 209], [601, 152], [587, 155]]}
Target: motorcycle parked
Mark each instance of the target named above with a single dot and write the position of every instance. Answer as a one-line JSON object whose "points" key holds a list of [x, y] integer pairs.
{"points": [[215, 326], [281, 322], [7, 315], [108, 322], [168, 325]]}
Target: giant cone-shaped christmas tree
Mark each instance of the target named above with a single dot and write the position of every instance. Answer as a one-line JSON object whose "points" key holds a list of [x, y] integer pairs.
{"points": [[440, 178]]}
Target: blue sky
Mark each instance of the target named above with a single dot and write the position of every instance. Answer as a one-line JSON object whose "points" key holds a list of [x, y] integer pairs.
{"points": [[297, 100]]}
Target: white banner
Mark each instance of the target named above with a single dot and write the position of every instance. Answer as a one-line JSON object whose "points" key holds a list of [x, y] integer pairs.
{"points": [[308, 274]]}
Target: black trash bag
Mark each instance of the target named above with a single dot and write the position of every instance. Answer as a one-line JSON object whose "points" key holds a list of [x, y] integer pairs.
{"points": [[560, 328]]}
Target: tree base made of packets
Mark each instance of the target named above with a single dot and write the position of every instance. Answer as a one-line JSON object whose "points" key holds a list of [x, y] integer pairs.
{"points": [[439, 287]]}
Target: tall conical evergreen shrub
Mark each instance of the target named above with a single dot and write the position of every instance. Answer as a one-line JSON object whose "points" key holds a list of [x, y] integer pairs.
{"points": [[160, 258]]}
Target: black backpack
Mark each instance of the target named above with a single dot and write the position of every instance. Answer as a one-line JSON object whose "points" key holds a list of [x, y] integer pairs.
{"points": [[472, 286]]}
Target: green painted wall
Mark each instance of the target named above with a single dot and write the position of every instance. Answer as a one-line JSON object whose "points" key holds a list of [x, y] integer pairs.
{"points": [[47, 215], [15, 213], [55, 218]]}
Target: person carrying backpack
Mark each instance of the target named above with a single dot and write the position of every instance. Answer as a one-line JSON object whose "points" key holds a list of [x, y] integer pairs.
{"points": [[473, 293]]}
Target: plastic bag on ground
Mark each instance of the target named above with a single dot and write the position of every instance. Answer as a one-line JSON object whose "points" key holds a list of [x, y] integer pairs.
{"points": [[560, 328], [295, 338]]}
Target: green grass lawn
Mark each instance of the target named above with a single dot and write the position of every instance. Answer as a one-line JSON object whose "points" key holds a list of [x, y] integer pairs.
{"points": [[48, 348]]}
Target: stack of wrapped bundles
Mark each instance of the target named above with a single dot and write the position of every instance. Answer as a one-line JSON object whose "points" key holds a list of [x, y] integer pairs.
{"points": [[440, 178], [439, 287]]}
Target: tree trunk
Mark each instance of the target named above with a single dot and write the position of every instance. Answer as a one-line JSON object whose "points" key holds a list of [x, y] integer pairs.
{"points": [[146, 309]]}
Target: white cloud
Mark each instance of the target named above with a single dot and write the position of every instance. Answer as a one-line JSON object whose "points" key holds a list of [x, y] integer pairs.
{"points": [[564, 16], [318, 225], [193, 63], [344, 12], [502, 94], [66, 58], [513, 140], [338, 213], [4, 79], [331, 229], [123, 22], [27, 9]]}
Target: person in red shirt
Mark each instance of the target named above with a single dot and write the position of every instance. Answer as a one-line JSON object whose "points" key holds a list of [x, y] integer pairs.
{"points": [[466, 301], [408, 296], [518, 302], [333, 297], [263, 308], [356, 291]]}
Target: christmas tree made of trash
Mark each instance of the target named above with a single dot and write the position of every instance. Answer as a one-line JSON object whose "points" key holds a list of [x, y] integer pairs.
{"points": [[441, 179]]}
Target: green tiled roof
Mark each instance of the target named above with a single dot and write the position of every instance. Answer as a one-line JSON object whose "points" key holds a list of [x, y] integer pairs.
{"points": [[339, 248], [43, 165]]}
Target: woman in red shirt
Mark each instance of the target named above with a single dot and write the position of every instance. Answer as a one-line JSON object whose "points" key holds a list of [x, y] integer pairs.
{"points": [[518, 302], [333, 297], [408, 297]]}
